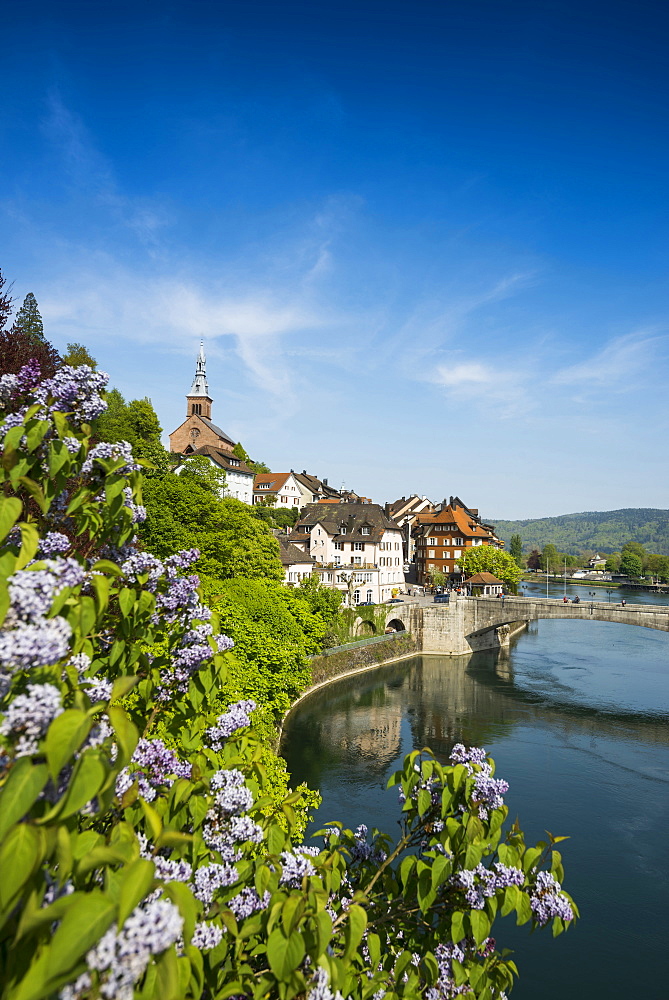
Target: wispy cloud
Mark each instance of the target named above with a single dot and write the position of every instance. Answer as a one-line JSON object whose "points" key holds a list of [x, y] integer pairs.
{"points": [[91, 173], [616, 366]]}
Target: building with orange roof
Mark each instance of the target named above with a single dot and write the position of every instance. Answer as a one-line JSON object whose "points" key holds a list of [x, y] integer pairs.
{"points": [[283, 487], [443, 536]]}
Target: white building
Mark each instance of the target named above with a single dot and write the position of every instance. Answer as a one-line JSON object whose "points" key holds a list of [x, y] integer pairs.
{"points": [[238, 476], [356, 548], [297, 564], [283, 486]]}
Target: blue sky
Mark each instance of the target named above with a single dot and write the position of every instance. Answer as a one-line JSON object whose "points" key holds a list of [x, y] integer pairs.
{"points": [[425, 242]]}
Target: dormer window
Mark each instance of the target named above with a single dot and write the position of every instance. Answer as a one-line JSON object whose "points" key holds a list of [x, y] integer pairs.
{"points": [[343, 529], [364, 531]]}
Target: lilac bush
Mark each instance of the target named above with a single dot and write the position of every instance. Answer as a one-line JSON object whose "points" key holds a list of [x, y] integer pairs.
{"points": [[143, 852]]}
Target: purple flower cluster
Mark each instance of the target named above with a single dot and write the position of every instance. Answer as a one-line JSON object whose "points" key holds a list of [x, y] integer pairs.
{"points": [[547, 900], [34, 645], [29, 716], [158, 766], [76, 391], [137, 510], [121, 957], [238, 716], [319, 988], [247, 902], [361, 850], [207, 936], [211, 877], [107, 451], [54, 543], [295, 866], [482, 883], [445, 987], [31, 591], [488, 792]]}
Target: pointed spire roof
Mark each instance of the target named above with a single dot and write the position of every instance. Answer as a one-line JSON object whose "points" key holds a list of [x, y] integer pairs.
{"points": [[200, 386]]}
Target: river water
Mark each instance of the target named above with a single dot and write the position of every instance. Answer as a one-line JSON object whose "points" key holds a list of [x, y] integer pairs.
{"points": [[576, 715]]}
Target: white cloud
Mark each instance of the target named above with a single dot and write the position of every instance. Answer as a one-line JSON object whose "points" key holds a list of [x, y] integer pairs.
{"points": [[615, 366]]}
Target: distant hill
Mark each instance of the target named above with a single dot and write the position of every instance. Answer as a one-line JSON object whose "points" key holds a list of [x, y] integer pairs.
{"points": [[599, 531]]}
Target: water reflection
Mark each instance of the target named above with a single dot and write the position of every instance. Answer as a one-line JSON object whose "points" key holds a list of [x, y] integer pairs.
{"points": [[576, 715]]}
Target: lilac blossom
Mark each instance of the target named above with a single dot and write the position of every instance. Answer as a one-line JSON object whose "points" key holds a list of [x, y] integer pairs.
{"points": [[159, 767], [137, 510], [31, 591], [319, 988], [468, 756], [247, 902], [121, 957], [110, 451], [236, 717], [295, 866], [54, 543], [482, 883], [99, 689], [76, 391], [29, 716], [34, 645], [211, 877], [207, 936], [548, 900], [445, 987]]}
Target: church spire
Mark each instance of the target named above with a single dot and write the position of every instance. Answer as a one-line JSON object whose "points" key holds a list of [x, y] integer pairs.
{"points": [[200, 386], [199, 400]]}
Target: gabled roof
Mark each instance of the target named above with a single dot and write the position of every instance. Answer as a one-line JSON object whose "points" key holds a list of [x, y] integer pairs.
{"points": [[315, 484], [290, 554], [352, 516], [217, 430], [484, 579], [224, 459], [275, 480]]}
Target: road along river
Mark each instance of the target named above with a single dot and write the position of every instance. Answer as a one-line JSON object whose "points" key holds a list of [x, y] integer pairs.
{"points": [[576, 715]]}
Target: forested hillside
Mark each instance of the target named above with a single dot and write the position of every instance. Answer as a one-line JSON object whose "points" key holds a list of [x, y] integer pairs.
{"points": [[600, 531]]}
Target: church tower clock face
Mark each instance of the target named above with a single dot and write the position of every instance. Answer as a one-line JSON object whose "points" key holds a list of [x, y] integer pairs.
{"points": [[194, 433]]}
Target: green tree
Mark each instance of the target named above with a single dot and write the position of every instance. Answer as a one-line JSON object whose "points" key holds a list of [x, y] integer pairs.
{"points": [[550, 558], [19, 346], [488, 559], [630, 564], [659, 566], [258, 468], [636, 549], [198, 469], [182, 514], [29, 320], [612, 564], [143, 421], [516, 549], [78, 355]]}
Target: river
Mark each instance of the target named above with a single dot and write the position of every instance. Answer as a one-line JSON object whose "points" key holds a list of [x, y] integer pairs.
{"points": [[576, 715]]}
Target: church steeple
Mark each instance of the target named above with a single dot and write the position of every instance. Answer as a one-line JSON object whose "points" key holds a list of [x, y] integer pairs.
{"points": [[199, 400]]}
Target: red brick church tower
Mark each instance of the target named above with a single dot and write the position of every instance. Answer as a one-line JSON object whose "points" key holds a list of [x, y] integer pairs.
{"points": [[197, 430]]}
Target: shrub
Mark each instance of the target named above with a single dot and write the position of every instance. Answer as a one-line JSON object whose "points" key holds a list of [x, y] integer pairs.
{"points": [[160, 867]]}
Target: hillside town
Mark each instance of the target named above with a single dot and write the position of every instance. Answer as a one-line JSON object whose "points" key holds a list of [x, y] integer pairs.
{"points": [[371, 552]]}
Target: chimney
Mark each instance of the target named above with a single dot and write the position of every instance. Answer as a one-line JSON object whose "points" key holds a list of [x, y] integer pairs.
{"points": [[325, 482]]}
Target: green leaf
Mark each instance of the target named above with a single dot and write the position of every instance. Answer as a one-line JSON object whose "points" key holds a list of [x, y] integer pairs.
{"points": [[152, 818], [87, 779], [424, 801], [126, 600], [29, 544], [126, 733], [24, 784], [122, 685], [374, 948], [355, 928], [86, 920], [10, 512], [136, 882], [181, 895], [284, 954], [66, 734], [20, 855], [168, 980], [480, 925], [458, 926]]}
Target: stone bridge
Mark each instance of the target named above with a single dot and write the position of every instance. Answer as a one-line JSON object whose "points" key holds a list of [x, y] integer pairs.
{"points": [[468, 624]]}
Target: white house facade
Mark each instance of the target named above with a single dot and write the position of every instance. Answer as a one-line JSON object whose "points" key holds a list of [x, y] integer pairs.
{"points": [[356, 548], [238, 476]]}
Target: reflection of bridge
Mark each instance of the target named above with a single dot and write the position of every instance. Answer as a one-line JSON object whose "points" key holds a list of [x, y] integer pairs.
{"points": [[472, 623]]}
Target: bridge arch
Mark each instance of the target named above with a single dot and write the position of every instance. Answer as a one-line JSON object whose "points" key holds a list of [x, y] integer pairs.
{"points": [[396, 624]]}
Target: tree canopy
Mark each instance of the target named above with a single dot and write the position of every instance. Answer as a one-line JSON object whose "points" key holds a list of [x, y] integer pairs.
{"points": [[488, 559], [181, 513], [77, 355], [21, 344]]}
